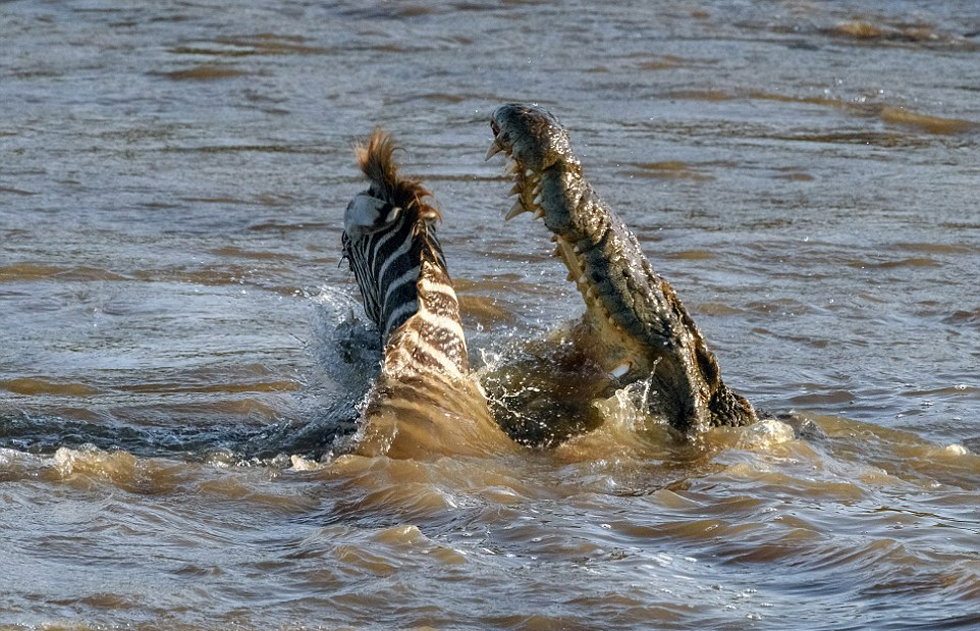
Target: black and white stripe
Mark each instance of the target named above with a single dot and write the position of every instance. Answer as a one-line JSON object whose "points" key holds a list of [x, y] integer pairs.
{"points": [[385, 263]]}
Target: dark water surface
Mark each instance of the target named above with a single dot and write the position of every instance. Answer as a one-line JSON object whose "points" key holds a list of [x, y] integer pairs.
{"points": [[175, 318]]}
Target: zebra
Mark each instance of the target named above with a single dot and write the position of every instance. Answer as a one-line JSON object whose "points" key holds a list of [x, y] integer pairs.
{"points": [[424, 401]]}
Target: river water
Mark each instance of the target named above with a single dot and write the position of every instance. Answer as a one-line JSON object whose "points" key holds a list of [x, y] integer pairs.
{"points": [[177, 371]]}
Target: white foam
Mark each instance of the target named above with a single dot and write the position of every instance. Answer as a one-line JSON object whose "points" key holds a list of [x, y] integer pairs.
{"points": [[767, 433], [304, 464]]}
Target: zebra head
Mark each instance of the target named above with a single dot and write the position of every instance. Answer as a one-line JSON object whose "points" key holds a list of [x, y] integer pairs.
{"points": [[389, 240]]}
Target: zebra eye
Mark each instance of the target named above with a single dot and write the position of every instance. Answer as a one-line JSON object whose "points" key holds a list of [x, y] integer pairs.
{"points": [[394, 214]]}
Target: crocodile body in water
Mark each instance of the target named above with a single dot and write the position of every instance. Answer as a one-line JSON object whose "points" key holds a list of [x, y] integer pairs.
{"points": [[425, 400], [635, 327]]}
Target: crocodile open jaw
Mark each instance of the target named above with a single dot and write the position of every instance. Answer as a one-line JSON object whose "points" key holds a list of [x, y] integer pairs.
{"points": [[635, 326]]}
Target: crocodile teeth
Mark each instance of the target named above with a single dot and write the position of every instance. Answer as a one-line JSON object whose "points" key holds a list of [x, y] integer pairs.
{"points": [[495, 148], [528, 172], [515, 210], [539, 213], [511, 168], [515, 191]]}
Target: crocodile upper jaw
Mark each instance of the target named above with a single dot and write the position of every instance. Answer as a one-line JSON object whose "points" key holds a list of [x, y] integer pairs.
{"points": [[541, 187]]}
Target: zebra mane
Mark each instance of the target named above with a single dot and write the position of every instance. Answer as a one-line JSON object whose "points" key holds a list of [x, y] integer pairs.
{"points": [[378, 164]]}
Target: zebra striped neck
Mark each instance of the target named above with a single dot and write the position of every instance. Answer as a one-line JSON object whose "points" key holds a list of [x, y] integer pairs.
{"points": [[431, 339], [408, 294]]}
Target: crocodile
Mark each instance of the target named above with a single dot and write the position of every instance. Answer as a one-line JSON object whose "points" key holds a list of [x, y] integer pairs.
{"points": [[425, 401], [634, 327]]}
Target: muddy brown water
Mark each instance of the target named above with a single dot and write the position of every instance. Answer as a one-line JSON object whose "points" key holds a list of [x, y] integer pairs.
{"points": [[175, 376]]}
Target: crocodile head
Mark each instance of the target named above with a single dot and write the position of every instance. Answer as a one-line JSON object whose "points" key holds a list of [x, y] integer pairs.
{"points": [[634, 327]]}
